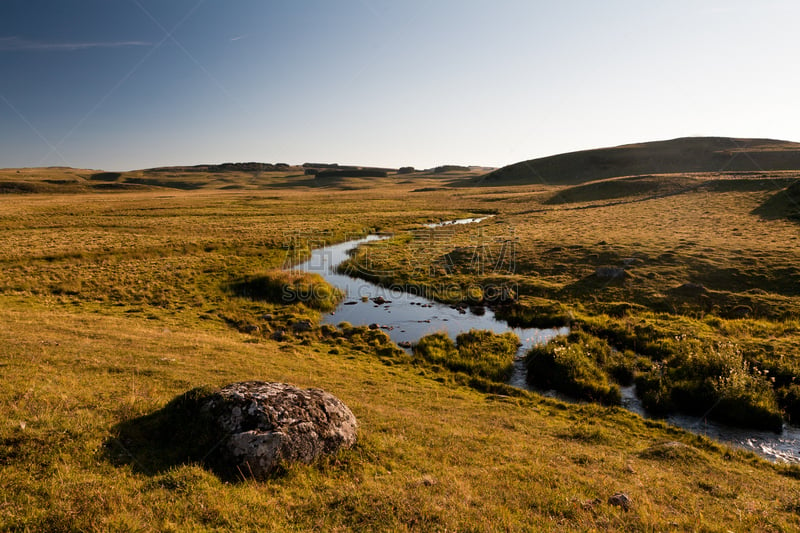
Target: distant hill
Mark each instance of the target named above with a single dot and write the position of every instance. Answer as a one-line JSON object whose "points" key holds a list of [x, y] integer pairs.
{"points": [[352, 173], [226, 167], [688, 154]]}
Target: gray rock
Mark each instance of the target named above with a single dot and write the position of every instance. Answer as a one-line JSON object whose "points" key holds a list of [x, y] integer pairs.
{"points": [[620, 499], [270, 424], [303, 325]]}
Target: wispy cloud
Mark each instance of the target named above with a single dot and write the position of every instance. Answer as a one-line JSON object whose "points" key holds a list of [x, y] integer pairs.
{"points": [[10, 44], [238, 38]]}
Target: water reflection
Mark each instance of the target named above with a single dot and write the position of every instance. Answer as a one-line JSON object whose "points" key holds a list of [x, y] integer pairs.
{"points": [[404, 316]]}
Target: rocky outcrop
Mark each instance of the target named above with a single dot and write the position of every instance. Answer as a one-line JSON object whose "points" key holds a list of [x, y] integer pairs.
{"points": [[264, 425]]}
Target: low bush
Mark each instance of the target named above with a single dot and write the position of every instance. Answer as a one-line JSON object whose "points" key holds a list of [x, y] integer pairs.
{"points": [[710, 380], [655, 393], [284, 287], [650, 335], [624, 366], [535, 313], [476, 353], [573, 365]]}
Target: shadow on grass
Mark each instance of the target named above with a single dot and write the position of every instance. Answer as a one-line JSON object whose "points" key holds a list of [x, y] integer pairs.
{"points": [[185, 185], [785, 204], [177, 434]]}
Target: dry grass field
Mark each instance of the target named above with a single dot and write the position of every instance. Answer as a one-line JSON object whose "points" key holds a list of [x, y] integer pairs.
{"points": [[116, 299], [672, 267]]}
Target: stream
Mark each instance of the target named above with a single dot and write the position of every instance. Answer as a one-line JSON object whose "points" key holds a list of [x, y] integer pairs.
{"points": [[407, 317]]}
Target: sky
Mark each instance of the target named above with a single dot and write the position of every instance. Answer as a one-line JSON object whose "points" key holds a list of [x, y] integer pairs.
{"points": [[131, 84]]}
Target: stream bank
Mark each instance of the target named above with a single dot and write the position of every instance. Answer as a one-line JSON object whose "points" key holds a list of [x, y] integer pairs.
{"points": [[407, 317]]}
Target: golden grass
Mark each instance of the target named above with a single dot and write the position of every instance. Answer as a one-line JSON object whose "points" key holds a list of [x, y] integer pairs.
{"points": [[111, 304], [430, 456]]}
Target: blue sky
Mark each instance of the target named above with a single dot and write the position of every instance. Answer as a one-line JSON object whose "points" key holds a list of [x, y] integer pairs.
{"points": [[126, 84]]}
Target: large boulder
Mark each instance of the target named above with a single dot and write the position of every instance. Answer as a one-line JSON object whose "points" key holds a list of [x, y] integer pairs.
{"points": [[265, 425]]}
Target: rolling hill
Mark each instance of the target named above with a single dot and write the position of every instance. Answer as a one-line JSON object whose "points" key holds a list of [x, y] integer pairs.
{"points": [[684, 155], [783, 204]]}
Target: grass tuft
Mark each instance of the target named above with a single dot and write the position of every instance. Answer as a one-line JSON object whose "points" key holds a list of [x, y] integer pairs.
{"points": [[288, 287], [477, 353], [672, 452], [711, 380], [573, 365]]}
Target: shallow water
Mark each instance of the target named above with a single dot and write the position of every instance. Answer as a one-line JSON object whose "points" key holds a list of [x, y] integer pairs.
{"points": [[784, 447], [404, 316], [407, 317], [457, 222]]}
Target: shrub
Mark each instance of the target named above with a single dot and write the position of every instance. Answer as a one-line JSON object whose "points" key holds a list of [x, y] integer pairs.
{"points": [[645, 336], [571, 364], [673, 452], [623, 366], [535, 313], [652, 389], [283, 287], [711, 380], [477, 353]]}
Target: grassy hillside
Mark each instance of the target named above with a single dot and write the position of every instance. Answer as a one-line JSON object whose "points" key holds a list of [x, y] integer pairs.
{"points": [[785, 203], [113, 303], [692, 154], [626, 189]]}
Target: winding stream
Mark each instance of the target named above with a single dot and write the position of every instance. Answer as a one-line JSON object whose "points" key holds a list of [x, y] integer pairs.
{"points": [[407, 317]]}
